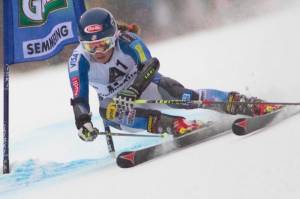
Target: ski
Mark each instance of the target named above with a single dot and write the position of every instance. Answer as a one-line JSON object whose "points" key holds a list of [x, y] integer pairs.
{"points": [[129, 159], [244, 126]]}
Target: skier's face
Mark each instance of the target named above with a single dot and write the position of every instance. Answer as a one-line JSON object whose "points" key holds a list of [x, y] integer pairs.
{"points": [[101, 50]]}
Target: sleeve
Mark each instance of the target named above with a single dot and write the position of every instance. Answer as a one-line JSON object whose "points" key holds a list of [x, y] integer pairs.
{"points": [[78, 68], [134, 46], [141, 50]]}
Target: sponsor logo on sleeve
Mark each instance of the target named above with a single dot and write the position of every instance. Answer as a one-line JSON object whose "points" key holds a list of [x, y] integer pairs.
{"points": [[73, 63], [141, 52], [75, 86]]}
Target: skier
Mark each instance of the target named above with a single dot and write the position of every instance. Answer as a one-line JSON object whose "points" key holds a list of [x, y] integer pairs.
{"points": [[119, 66]]}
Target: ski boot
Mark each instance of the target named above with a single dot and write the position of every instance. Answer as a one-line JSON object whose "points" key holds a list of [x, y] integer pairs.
{"points": [[250, 106], [174, 125], [183, 126]]}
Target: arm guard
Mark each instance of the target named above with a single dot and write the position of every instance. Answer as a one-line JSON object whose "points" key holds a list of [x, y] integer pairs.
{"points": [[146, 73], [81, 111]]}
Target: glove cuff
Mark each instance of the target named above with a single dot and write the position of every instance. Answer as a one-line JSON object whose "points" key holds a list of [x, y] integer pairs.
{"points": [[82, 119]]}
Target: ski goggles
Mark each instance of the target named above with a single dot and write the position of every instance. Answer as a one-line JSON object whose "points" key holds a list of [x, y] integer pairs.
{"points": [[99, 46]]}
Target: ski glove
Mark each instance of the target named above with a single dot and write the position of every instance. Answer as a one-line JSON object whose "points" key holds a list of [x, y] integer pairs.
{"points": [[125, 98], [146, 73], [87, 132]]}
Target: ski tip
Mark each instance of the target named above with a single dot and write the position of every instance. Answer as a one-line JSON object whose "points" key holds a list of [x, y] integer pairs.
{"points": [[239, 126], [126, 159]]}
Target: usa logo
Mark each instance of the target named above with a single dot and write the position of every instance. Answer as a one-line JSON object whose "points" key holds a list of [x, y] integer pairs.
{"points": [[93, 28]]}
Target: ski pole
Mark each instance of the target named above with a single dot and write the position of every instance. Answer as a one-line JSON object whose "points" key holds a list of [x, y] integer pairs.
{"points": [[207, 102], [129, 134], [109, 140]]}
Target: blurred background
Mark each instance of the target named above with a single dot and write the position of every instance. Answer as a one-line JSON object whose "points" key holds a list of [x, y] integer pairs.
{"points": [[165, 19]]}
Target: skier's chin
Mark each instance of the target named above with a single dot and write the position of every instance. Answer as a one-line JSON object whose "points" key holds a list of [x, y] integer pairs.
{"points": [[103, 57]]}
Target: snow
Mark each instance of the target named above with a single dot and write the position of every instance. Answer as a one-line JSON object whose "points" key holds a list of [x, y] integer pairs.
{"points": [[257, 57]]}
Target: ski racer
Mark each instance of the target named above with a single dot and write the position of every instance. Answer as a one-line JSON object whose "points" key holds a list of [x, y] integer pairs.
{"points": [[119, 66]]}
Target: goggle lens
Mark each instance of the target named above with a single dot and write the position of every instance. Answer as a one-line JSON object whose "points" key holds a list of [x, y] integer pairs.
{"points": [[99, 46]]}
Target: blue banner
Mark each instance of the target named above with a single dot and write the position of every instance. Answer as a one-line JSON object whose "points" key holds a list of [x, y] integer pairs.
{"points": [[38, 29]]}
